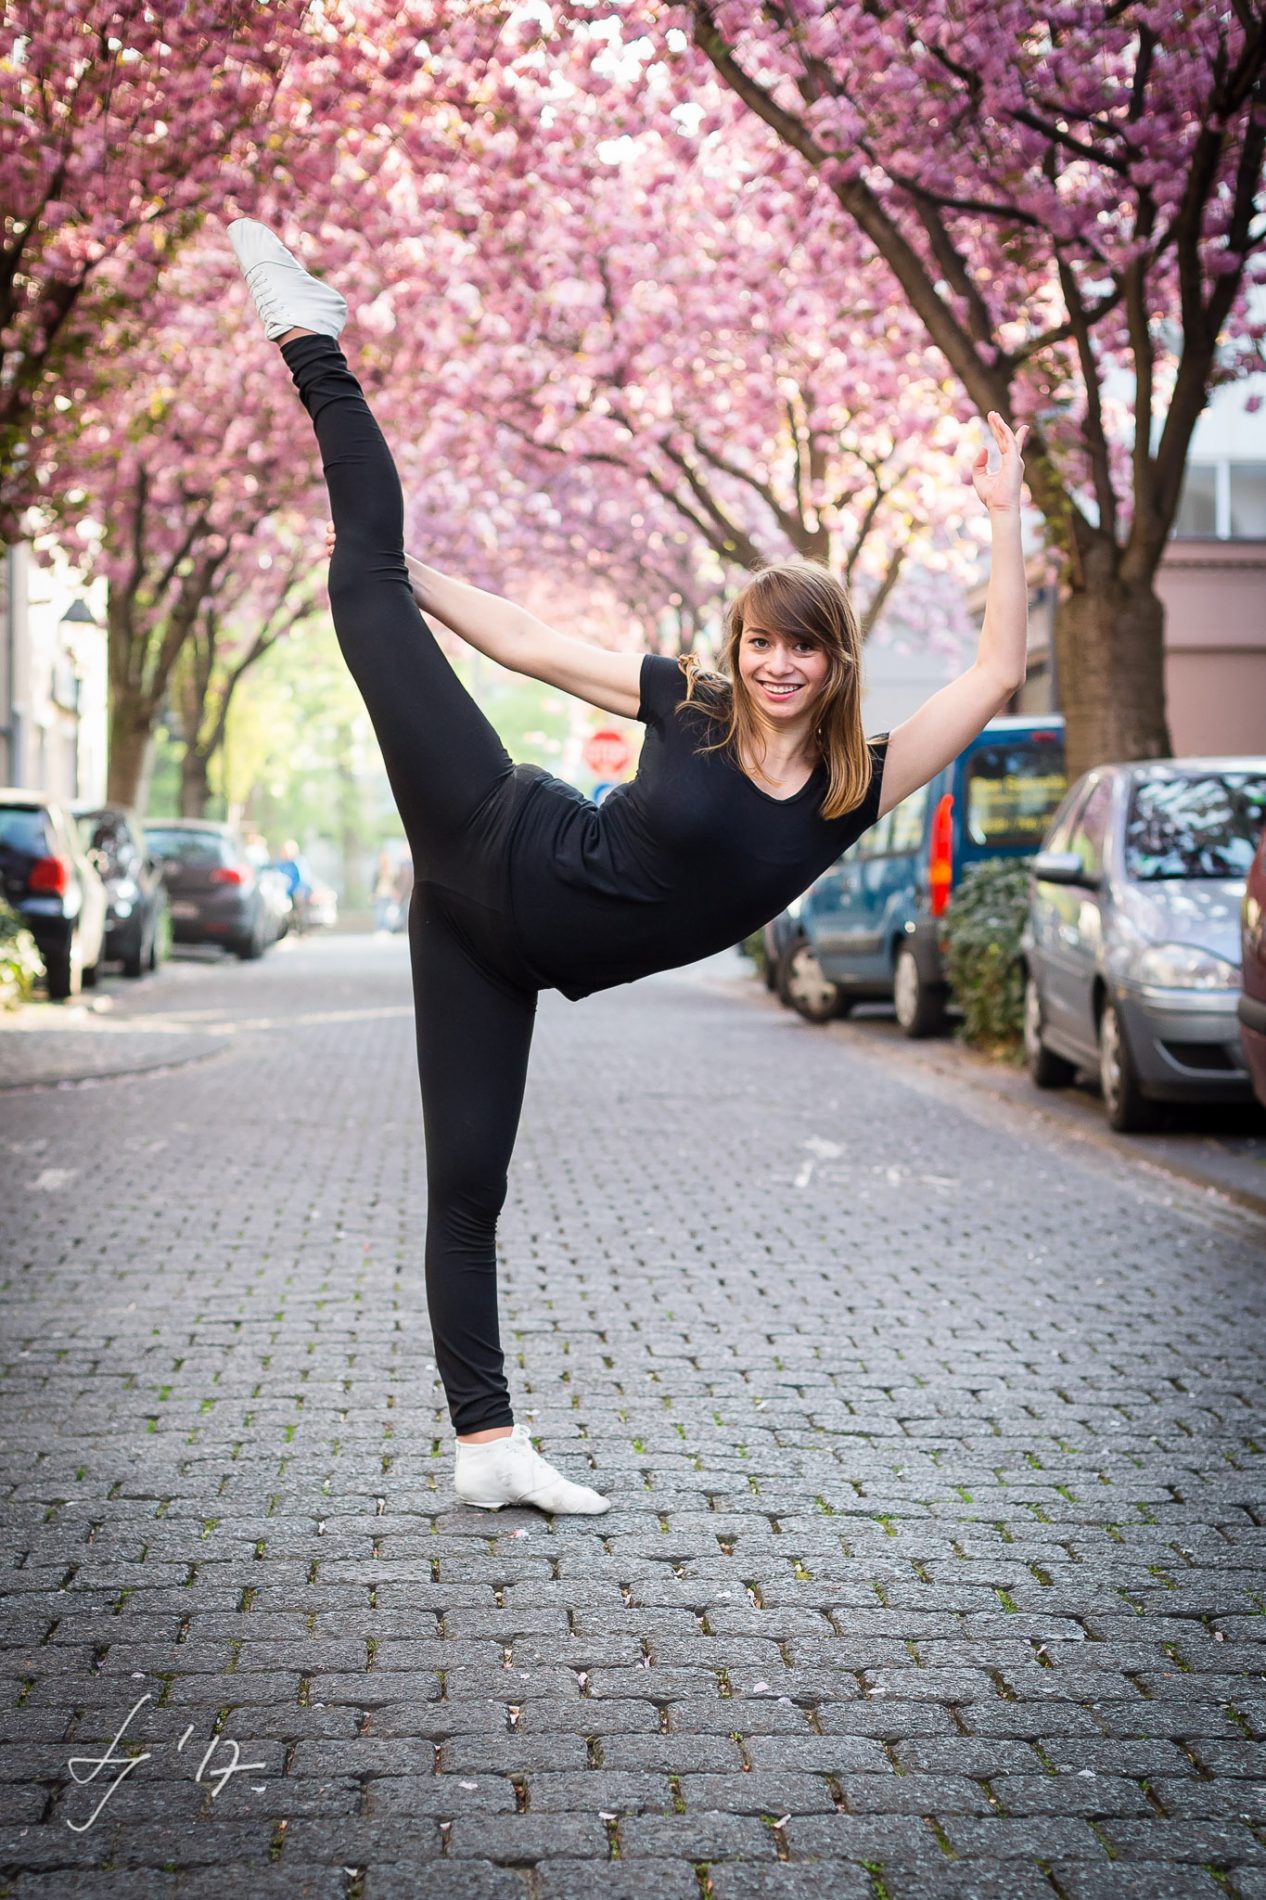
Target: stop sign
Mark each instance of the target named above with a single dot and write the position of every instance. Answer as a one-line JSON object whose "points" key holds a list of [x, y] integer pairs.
{"points": [[607, 752]]}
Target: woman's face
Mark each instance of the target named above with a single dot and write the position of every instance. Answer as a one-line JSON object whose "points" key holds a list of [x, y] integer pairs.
{"points": [[783, 673]]}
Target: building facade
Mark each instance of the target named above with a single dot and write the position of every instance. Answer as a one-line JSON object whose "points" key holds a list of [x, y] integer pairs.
{"points": [[54, 681]]}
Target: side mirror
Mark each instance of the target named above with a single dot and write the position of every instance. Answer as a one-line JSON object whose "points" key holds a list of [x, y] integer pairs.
{"points": [[1064, 867]]}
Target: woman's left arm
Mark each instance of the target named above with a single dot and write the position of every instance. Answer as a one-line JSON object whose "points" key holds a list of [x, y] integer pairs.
{"points": [[951, 718]]}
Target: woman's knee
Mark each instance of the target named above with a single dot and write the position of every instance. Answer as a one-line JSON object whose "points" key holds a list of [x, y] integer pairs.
{"points": [[369, 562], [466, 1201]]}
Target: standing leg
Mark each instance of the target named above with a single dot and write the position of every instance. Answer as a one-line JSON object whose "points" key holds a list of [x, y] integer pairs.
{"points": [[474, 1035]]}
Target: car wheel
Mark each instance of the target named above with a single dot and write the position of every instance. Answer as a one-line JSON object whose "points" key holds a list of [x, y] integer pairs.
{"points": [[802, 986], [1129, 1110], [136, 962], [1046, 1069], [251, 947], [64, 972], [920, 1008]]}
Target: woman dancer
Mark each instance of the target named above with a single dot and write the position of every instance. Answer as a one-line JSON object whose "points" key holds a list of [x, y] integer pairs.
{"points": [[751, 782]]}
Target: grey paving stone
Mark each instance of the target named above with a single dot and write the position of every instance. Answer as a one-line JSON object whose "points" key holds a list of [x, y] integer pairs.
{"points": [[428, 1880], [922, 1880], [695, 1837], [731, 1881], [1150, 1880], [524, 1839], [612, 1880]]}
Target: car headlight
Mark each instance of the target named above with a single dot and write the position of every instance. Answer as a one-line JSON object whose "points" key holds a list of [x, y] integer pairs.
{"points": [[1184, 966]]}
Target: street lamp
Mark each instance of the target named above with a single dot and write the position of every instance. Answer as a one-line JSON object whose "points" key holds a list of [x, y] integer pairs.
{"points": [[67, 679]]}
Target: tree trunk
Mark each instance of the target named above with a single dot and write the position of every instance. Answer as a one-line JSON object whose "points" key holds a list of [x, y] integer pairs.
{"points": [[195, 784], [131, 752], [1110, 672]]}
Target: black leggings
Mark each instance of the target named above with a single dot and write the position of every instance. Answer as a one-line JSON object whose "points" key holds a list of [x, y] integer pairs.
{"points": [[456, 790]]}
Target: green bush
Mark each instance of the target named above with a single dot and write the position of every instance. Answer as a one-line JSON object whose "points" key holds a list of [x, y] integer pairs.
{"points": [[21, 964], [982, 928], [754, 947]]}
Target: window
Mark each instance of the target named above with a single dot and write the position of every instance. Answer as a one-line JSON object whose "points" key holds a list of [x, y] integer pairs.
{"points": [[1225, 501], [22, 828], [1248, 500], [1203, 824], [1065, 818], [1012, 788], [191, 847], [1198, 504], [1090, 834], [874, 843], [908, 820]]}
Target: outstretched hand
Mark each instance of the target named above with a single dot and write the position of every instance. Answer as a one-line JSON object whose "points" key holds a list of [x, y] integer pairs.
{"points": [[999, 488]]}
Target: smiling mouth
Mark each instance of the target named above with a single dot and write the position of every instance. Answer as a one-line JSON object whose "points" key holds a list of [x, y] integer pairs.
{"points": [[778, 692]]}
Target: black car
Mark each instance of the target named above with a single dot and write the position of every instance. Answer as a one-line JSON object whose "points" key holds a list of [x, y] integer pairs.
{"points": [[214, 890], [137, 923], [49, 879]]}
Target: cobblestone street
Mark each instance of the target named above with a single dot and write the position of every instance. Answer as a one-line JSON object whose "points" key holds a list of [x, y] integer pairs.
{"points": [[935, 1568]]}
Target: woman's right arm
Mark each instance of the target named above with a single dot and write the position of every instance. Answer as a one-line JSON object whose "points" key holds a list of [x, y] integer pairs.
{"points": [[517, 639], [493, 625]]}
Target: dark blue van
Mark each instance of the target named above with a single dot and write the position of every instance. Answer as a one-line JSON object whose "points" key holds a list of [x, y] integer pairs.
{"points": [[870, 926]]}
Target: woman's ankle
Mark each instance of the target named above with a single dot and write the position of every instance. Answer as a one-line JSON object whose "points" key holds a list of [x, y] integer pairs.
{"points": [[486, 1436]]}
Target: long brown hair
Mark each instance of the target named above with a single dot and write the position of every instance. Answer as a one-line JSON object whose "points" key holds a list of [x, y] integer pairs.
{"points": [[804, 599]]}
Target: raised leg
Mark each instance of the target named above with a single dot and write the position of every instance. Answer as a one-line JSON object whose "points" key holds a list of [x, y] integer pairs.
{"points": [[474, 1036], [443, 757]]}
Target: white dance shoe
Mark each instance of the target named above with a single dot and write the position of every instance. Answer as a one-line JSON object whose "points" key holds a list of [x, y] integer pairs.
{"points": [[510, 1470], [287, 296]]}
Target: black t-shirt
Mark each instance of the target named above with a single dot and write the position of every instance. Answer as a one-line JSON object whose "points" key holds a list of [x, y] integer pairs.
{"points": [[687, 858]]}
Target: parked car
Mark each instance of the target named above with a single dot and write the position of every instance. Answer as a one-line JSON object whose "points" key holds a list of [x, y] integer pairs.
{"points": [[215, 892], [871, 926], [137, 918], [1131, 949], [51, 881], [1251, 1008]]}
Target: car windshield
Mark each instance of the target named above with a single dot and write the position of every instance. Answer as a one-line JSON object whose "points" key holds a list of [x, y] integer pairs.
{"points": [[1199, 824], [94, 828], [191, 847], [1012, 789], [22, 829]]}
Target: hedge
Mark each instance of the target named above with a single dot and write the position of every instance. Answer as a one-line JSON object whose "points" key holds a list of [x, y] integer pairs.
{"points": [[983, 926], [21, 965]]}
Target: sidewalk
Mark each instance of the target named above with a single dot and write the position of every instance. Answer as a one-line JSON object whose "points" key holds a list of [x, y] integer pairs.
{"points": [[43, 1044]]}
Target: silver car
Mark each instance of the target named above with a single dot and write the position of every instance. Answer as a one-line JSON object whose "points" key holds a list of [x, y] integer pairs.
{"points": [[1132, 945]]}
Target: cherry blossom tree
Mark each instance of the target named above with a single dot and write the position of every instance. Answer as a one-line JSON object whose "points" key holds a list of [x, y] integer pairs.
{"points": [[275, 584], [120, 123], [122, 127], [1068, 200], [674, 338], [165, 486]]}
